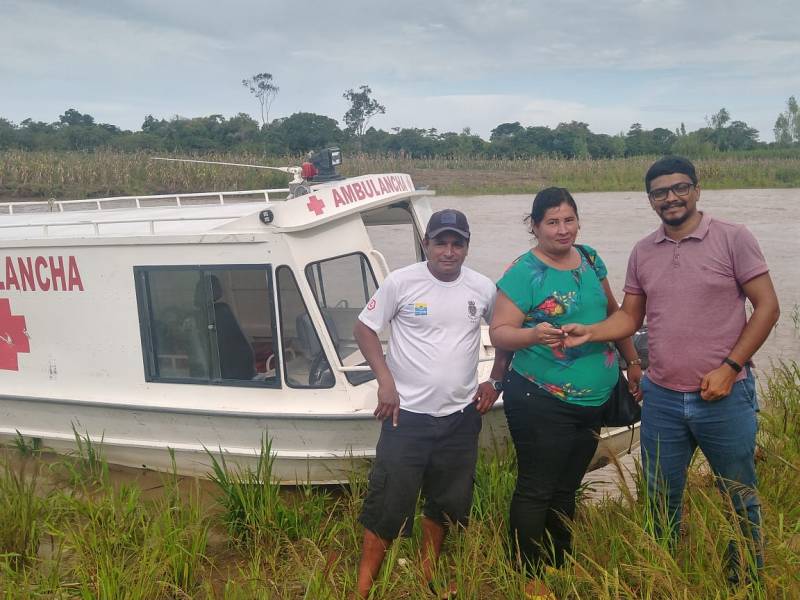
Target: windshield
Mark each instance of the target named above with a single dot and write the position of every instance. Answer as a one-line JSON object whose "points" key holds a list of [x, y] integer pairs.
{"points": [[393, 234], [342, 286]]}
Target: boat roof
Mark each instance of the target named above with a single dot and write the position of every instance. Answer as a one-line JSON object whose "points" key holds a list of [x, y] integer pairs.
{"points": [[200, 213]]}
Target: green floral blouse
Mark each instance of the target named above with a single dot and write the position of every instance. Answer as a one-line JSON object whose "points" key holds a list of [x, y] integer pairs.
{"points": [[584, 375]]}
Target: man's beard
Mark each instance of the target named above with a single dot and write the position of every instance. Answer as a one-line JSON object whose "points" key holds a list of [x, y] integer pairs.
{"points": [[675, 221]]}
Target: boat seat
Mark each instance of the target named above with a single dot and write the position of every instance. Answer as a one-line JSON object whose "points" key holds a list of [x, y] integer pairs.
{"points": [[236, 357], [307, 334], [319, 370]]}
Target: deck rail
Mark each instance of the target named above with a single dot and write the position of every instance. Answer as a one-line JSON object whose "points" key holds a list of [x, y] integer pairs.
{"points": [[154, 201], [130, 202], [95, 225]]}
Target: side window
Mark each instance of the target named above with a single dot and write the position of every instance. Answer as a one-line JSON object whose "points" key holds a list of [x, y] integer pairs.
{"points": [[208, 324], [305, 362], [342, 287], [392, 232]]}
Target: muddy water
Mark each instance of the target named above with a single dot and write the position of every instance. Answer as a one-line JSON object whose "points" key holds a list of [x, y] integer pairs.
{"points": [[613, 222]]}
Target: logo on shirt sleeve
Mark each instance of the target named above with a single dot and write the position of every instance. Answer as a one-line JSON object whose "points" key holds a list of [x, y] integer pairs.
{"points": [[371, 304]]}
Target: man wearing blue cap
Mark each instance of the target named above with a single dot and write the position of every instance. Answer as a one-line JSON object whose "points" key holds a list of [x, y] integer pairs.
{"points": [[429, 398]]}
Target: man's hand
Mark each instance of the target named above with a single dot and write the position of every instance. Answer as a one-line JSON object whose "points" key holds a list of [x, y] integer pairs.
{"points": [[634, 374], [388, 402], [575, 335], [717, 383], [485, 397]]}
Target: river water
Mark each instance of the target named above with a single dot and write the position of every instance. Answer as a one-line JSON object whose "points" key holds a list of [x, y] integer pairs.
{"points": [[612, 222]]}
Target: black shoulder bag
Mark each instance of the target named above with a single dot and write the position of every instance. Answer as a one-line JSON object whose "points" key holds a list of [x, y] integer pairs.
{"points": [[621, 409]]}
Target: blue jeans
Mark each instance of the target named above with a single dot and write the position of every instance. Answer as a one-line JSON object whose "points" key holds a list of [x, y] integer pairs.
{"points": [[674, 424]]}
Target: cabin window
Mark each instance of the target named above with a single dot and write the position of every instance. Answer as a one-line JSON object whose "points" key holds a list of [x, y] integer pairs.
{"points": [[342, 286], [392, 232], [305, 363], [208, 324]]}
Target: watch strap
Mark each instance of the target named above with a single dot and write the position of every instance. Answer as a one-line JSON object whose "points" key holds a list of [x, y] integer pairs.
{"points": [[732, 364]]}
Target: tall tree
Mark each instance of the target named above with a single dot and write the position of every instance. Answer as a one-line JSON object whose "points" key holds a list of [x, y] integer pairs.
{"points": [[302, 132], [505, 130], [787, 126], [726, 135], [263, 87], [362, 108], [72, 117], [719, 120]]}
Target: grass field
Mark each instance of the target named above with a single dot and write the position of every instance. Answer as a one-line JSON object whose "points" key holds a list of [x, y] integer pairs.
{"points": [[72, 175], [69, 529]]}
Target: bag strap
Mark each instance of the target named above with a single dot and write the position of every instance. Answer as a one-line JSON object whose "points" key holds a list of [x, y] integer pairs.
{"points": [[582, 249]]}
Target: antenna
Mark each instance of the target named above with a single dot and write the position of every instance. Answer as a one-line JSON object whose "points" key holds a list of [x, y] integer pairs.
{"points": [[295, 172]]}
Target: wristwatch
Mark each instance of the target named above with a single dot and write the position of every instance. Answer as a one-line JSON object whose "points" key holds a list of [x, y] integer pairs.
{"points": [[497, 384], [732, 364]]}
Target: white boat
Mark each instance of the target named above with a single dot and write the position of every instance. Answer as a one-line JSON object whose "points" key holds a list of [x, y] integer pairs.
{"points": [[202, 322]]}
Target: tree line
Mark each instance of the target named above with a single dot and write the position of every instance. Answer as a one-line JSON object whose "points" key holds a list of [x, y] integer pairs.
{"points": [[302, 132]]}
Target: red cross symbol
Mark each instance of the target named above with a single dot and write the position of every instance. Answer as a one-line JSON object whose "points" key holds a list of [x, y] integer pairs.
{"points": [[316, 205], [13, 337]]}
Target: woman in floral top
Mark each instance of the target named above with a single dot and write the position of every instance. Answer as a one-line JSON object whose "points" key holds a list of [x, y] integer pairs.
{"points": [[553, 396]]}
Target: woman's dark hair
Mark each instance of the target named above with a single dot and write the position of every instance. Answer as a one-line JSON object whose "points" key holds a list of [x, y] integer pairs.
{"points": [[550, 198]]}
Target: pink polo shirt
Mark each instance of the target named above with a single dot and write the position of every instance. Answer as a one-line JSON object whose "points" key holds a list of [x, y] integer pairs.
{"points": [[695, 303]]}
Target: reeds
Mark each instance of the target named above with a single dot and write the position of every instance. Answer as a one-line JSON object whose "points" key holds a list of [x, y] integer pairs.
{"points": [[72, 175], [23, 511], [254, 510], [71, 531]]}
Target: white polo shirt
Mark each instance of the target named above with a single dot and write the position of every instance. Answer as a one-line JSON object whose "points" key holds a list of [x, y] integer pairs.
{"points": [[435, 335]]}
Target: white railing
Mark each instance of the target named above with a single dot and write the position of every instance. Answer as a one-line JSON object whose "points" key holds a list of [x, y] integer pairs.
{"points": [[95, 225], [176, 200]]}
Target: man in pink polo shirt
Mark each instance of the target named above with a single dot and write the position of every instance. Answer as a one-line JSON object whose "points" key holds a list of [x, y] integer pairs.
{"points": [[690, 278]]}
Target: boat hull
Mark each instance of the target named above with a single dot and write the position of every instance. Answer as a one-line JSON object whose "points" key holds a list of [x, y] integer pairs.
{"points": [[306, 448]]}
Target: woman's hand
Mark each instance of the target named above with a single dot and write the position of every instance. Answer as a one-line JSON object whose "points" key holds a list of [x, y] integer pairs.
{"points": [[634, 381], [507, 330], [547, 335]]}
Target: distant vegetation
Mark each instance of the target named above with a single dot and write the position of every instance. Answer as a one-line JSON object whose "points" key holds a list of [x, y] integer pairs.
{"points": [[302, 132], [78, 157], [66, 175]]}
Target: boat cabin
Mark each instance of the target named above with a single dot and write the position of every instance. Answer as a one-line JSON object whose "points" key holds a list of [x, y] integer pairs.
{"points": [[202, 321]]}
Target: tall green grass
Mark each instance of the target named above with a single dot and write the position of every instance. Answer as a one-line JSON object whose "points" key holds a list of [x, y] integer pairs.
{"points": [[69, 533], [71, 175], [23, 511], [254, 510]]}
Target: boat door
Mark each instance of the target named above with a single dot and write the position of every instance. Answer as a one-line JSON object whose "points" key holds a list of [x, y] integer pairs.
{"points": [[342, 285]]}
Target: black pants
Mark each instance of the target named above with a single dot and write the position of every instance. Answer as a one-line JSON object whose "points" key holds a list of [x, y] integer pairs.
{"points": [[555, 442], [436, 455]]}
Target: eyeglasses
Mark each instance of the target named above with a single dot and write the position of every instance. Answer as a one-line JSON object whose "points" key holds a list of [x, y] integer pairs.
{"points": [[679, 189]]}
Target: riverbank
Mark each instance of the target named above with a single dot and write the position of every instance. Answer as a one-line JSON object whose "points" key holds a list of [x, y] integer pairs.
{"points": [[69, 529], [73, 175]]}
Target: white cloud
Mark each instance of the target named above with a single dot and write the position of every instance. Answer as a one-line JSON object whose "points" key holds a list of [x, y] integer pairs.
{"points": [[446, 64]]}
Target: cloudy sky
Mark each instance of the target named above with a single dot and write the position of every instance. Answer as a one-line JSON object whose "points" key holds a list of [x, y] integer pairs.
{"points": [[447, 64]]}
